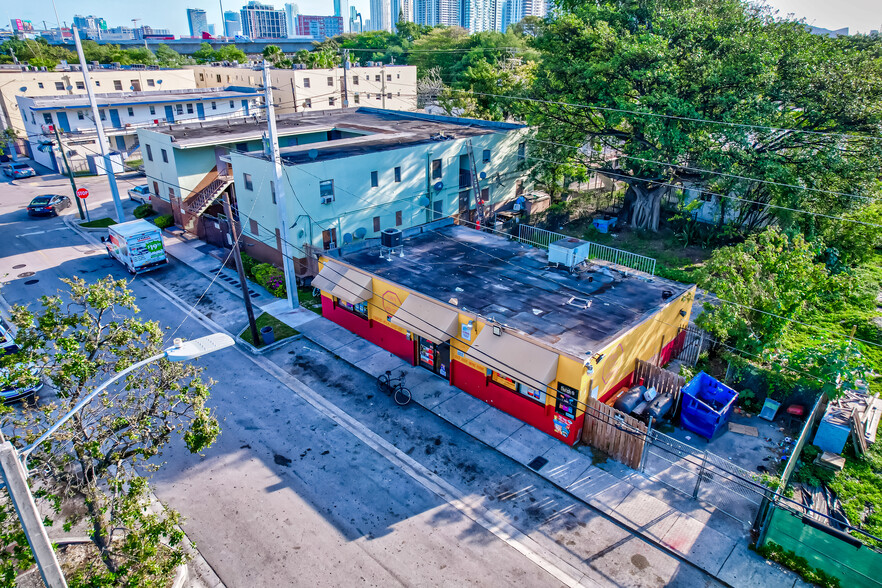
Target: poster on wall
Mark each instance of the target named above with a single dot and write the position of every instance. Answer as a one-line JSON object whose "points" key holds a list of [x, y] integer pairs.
{"points": [[562, 425], [467, 331], [567, 398]]}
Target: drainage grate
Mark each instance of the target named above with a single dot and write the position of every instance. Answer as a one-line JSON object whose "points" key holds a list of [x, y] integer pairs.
{"points": [[25, 274], [537, 464]]}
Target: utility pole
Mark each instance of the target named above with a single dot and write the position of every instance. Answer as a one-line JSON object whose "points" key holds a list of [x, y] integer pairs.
{"points": [[280, 179], [73, 184], [345, 74], [102, 138], [16, 480], [234, 236]]}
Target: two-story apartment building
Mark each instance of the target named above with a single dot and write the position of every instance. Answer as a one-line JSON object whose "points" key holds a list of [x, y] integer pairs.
{"points": [[122, 114], [391, 87]]}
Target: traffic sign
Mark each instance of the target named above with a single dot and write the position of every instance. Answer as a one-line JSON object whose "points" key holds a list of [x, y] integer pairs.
{"points": [[82, 193]]}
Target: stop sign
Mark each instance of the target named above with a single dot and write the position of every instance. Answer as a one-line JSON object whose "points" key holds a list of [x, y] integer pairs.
{"points": [[82, 193]]}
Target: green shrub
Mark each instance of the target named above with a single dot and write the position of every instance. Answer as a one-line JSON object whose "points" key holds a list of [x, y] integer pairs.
{"points": [[271, 278], [798, 564], [164, 221], [248, 264], [144, 210]]}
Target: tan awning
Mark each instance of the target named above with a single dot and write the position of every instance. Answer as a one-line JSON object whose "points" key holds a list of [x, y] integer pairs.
{"points": [[427, 319], [354, 287], [514, 357], [327, 278]]}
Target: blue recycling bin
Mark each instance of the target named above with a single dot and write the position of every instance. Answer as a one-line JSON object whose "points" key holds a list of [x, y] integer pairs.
{"points": [[707, 405]]}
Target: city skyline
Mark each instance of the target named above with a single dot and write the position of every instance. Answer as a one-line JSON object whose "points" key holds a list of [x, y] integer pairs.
{"points": [[858, 15]]}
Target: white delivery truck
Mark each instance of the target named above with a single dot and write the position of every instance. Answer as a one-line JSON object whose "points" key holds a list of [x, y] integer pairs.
{"points": [[137, 245]]}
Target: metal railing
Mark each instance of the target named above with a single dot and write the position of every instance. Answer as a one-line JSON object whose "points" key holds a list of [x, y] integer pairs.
{"points": [[543, 238], [208, 193]]}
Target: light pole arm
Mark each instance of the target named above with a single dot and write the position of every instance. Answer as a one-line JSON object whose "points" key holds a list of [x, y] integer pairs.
{"points": [[27, 450]]}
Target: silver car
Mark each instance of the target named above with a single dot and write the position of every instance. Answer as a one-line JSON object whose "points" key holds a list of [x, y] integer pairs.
{"points": [[140, 194]]}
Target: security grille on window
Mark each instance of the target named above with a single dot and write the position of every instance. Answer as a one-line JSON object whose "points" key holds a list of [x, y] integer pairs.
{"points": [[377, 78], [305, 82], [80, 85], [117, 84], [354, 80], [375, 179], [388, 77], [218, 77], [330, 81], [326, 191], [59, 85], [164, 156], [246, 179], [152, 83]]}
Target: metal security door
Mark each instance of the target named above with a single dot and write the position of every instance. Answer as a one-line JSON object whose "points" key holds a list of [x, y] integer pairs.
{"points": [[200, 111], [114, 118], [169, 114]]}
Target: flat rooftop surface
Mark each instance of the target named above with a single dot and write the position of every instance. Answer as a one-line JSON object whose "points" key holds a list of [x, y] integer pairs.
{"points": [[378, 130], [149, 97], [512, 283]]}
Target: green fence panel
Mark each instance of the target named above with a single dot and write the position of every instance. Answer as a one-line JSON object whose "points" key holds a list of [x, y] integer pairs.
{"points": [[854, 566]]}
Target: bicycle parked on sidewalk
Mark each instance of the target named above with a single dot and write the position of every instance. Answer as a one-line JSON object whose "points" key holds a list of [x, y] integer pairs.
{"points": [[386, 383]]}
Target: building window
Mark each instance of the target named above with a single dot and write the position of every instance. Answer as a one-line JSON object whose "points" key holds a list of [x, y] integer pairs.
{"points": [[388, 94], [398, 174], [214, 105], [503, 381], [330, 81], [156, 188], [359, 309], [486, 156], [179, 108], [326, 191], [356, 98], [354, 80], [201, 77], [273, 190], [218, 77], [307, 103], [80, 85], [102, 115], [331, 101], [149, 152], [171, 193], [377, 78], [164, 156], [40, 85], [131, 111], [522, 151], [246, 179], [97, 83], [398, 76], [152, 83], [152, 109], [388, 77], [436, 169], [705, 197], [81, 115], [253, 226], [376, 224], [398, 218], [117, 84], [59, 85], [232, 104], [375, 179], [305, 82], [47, 118], [189, 109], [379, 96]]}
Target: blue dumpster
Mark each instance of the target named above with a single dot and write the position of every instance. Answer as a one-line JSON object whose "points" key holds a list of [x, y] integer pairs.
{"points": [[707, 405]]}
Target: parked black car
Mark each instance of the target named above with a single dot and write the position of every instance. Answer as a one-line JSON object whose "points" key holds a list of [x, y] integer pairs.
{"points": [[48, 205]]}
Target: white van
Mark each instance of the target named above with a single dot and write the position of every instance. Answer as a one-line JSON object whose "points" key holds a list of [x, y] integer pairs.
{"points": [[137, 245]]}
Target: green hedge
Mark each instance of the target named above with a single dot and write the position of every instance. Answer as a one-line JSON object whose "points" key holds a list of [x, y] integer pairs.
{"points": [[143, 211], [164, 221]]}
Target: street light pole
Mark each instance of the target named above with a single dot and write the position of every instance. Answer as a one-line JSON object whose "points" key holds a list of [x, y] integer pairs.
{"points": [[102, 138], [13, 463]]}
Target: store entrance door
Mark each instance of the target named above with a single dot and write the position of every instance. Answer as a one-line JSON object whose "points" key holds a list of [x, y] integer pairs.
{"points": [[435, 357]]}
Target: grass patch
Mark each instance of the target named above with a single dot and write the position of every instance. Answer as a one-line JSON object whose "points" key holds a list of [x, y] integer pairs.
{"points": [[98, 223], [280, 329], [859, 487], [308, 301], [136, 163]]}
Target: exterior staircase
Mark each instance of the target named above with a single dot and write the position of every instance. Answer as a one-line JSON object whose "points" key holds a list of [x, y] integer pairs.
{"points": [[200, 202]]}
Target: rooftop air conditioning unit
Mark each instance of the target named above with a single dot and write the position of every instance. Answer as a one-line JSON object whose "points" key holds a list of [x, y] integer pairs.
{"points": [[390, 238], [568, 252]]}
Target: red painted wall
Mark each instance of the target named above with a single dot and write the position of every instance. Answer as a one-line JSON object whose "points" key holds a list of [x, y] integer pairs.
{"points": [[667, 352], [374, 331]]}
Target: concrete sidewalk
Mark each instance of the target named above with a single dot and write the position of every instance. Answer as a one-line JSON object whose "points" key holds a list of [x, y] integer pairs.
{"points": [[696, 532]]}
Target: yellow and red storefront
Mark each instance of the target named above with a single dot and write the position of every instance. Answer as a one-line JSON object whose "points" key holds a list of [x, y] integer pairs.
{"points": [[516, 373]]}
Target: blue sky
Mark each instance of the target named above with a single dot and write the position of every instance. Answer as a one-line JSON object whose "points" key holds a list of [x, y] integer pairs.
{"points": [[858, 15]]}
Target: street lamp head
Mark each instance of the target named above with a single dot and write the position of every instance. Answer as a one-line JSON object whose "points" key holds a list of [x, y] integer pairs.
{"points": [[184, 350]]}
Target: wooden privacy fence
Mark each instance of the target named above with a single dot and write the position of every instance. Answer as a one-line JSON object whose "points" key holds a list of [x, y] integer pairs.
{"points": [[662, 380], [614, 432]]}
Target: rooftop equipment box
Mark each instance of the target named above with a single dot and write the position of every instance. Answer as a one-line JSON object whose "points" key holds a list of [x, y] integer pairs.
{"points": [[568, 252]]}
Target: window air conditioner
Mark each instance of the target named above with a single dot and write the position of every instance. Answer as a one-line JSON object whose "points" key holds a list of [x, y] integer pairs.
{"points": [[327, 199]]}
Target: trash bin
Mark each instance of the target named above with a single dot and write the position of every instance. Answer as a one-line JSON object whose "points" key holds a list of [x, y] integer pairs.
{"points": [[266, 333], [707, 405]]}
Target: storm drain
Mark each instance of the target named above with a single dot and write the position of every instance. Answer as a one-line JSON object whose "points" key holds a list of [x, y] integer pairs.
{"points": [[537, 464], [31, 282]]}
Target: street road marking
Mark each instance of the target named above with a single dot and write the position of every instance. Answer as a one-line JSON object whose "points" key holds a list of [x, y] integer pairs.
{"points": [[41, 232], [526, 546]]}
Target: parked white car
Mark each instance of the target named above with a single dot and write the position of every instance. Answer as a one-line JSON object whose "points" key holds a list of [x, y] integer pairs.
{"points": [[140, 193]]}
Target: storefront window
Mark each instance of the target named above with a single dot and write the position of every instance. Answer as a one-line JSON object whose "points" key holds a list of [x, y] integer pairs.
{"points": [[522, 389], [504, 381], [357, 309], [532, 393]]}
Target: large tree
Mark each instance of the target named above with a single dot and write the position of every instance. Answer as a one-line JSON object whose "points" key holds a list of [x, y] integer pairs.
{"points": [[628, 61], [98, 459]]}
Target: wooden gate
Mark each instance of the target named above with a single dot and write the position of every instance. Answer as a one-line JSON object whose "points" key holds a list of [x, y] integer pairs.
{"points": [[661, 379], [614, 432]]}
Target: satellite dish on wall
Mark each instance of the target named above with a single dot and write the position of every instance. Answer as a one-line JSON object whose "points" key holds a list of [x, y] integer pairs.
{"points": [[438, 185], [159, 81], [132, 88], [23, 89], [313, 153], [424, 201], [347, 237], [360, 233], [482, 175]]}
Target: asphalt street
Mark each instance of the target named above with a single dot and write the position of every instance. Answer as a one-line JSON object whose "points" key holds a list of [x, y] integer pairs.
{"points": [[318, 480]]}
